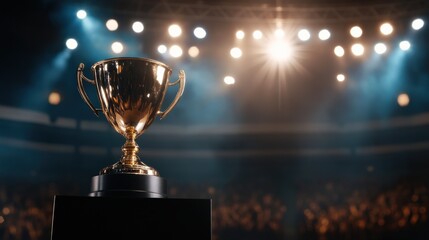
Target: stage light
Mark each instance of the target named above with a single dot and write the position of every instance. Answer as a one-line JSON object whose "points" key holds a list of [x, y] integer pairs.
{"points": [[193, 51], [175, 51], [341, 77], [138, 27], [54, 98], [236, 52], [240, 34], [403, 99], [200, 33], [81, 14], [71, 43], [380, 48], [228, 80], [417, 24], [112, 25], [386, 28], [356, 32], [117, 47], [280, 50], [257, 34], [404, 45], [279, 33], [339, 51], [174, 30], [162, 49], [304, 35], [358, 49], [324, 34]]}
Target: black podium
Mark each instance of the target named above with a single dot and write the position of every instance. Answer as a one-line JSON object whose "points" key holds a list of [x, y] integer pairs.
{"points": [[127, 214]]}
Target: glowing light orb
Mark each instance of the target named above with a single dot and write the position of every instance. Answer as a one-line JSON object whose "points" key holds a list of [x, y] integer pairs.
{"points": [[138, 27], [71, 43], [200, 33], [112, 25], [228, 80], [117, 47]]}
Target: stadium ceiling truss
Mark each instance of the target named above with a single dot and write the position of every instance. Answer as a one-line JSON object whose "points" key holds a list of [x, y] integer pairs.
{"points": [[264, 12]]}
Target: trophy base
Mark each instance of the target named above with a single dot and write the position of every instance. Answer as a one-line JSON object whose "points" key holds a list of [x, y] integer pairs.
{"points": [[128, 185], [122, 168]]}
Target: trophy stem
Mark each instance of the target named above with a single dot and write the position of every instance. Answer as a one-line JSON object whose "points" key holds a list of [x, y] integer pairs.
{"points": [[130, 163], [130, 149]]}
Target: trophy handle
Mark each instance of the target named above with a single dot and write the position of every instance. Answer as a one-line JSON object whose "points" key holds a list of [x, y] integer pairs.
{"points": [[81, 89], [181, 81]]}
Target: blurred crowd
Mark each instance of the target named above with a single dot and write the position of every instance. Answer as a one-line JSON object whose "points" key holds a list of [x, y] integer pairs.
{"points": [[240, 210], [25, 211], [318, 210], [345, 212]]}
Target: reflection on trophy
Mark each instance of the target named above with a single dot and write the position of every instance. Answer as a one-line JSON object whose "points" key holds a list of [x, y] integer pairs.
{"points": [[131, 92]]}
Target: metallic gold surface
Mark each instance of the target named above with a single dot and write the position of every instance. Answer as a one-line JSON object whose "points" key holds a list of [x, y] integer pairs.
{"points": [[131, 92]]}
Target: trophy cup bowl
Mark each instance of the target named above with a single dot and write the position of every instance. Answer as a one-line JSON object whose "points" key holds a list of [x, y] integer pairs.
{"points": [[131, 92]]}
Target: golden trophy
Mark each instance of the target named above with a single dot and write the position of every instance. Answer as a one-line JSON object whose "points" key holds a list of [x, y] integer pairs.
{"points": [[131, 92], [128, 198]]}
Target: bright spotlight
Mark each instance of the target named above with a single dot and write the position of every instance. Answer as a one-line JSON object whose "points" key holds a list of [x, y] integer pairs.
{"points": [[193, 51], [112, 24], [200, 33], [339, 51], [174, 30], [175, 51], [228, 80], [403, 99], [138, 27], [358, 49], [239, 34], [117, 47], [324, 34], [341, 77], [81, 14], [380, 48], [417, 24], [404, 45], [71, 43], [279, 33], [280, 50], [236, 52], [54, 98], [304, 35], [162, 49], [386, 28], [356, 32], [257, 34]]}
